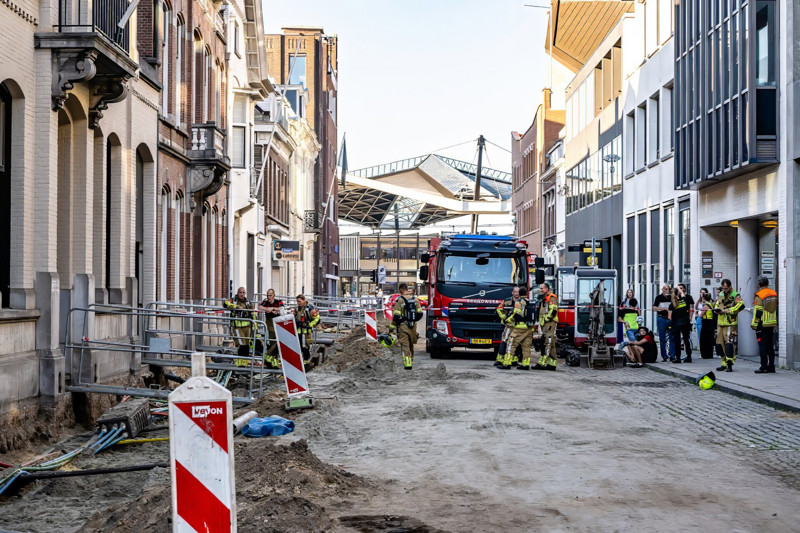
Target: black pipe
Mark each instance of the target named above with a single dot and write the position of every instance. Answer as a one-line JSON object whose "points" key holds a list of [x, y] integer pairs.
{"points": [[91, 472], [172, 377]]}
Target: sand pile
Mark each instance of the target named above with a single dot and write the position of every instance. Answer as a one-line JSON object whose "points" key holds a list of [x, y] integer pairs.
{"points": [[280, 487]]}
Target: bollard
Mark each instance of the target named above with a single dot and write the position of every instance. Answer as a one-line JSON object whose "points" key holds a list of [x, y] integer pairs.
{"points": [[371, 325], [201, 454]]}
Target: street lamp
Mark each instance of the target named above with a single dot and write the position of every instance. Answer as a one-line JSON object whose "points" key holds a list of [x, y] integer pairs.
{"points": [[611, 158]]}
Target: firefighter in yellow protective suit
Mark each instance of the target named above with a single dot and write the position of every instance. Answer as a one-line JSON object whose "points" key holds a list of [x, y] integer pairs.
{"points": [[271, 307], [405, 315], [306, 318], [242, 312], [503, 310], [727, 307], [521, 333], [765, 320], [548, 321]]}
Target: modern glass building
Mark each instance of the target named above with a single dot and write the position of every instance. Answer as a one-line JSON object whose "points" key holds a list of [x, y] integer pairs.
{"points": [[726, 112]]}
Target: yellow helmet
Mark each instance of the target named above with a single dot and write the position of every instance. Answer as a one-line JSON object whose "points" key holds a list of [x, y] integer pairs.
{"points": [[707, 381], [386, 340]]}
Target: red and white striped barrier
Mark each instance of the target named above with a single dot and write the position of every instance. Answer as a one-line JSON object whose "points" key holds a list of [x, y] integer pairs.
{"points": [[371, 325], [294, 372], [201, 454]]}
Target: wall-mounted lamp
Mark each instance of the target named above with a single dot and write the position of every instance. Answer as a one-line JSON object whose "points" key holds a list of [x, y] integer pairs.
{"points": [[770, 224], [734, 223]]}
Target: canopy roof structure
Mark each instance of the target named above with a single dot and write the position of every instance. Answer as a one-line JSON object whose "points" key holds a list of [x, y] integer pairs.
{"points": [[423, 190], [579, 26]]}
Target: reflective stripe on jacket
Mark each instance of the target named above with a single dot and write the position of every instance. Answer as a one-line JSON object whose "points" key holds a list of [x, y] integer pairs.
{"points": [[731, 302], [765, 308], [241, 310], [517, 317], [548, 309], [306, 317]]}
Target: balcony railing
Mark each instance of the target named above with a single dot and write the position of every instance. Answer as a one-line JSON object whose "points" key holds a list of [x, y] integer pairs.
{"points": [[208, 142], [95, 16]]}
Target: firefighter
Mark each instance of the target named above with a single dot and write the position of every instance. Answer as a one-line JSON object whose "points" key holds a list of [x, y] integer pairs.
{"points": [[505, 307], [521, 333], [727, 307], [407, 312], [765, 319], [243, 314], [271, 307], [548, 321], [306, 317]]}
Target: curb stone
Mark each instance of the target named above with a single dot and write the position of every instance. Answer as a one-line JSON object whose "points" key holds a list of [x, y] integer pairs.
{"points": [[753, 395]]}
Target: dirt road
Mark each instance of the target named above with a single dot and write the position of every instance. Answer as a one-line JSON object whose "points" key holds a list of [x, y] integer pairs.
{"points": [[468, 447], [459, 446]]}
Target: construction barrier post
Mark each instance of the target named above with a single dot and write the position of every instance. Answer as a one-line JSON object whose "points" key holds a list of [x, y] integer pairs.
{"points": [[371, 325], [294, 371], [201, 454]]}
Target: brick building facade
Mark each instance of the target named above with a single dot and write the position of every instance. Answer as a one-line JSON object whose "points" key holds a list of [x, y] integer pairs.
{"points": [[531, 194], [187, 59], [307, 61]]}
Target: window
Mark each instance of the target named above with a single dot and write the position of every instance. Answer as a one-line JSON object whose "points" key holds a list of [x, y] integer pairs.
{"points": [[163, 245], [469, 270], [239, 131], [176, 205], [218, 94], [180, 36], [641, 139], [653, 133], [630, 226], [236, 49], [669, 244], [684, 247], [297, 70], [198, 75], [332, 104], [207, 70], [5, 194], [630, 142], [166, 24], [667, 121]]}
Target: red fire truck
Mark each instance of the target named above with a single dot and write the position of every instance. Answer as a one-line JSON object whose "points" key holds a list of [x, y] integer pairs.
{"points": [[468, 276]]}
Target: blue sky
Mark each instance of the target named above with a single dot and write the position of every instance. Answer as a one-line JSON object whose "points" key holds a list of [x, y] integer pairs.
{"points": [[416, 76]]}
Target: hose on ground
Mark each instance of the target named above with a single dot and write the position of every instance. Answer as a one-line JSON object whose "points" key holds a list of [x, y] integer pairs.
{"points": [[140, 441]]}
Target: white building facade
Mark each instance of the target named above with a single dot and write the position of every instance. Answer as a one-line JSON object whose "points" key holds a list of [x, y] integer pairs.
{"points": [[658, 233], [250, 84], [77, 192]]}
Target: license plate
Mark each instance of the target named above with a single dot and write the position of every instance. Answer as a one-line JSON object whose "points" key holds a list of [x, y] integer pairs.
{"points": [[480, 341]]}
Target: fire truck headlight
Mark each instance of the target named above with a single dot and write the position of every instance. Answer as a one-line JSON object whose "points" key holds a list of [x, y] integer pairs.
{"points": [[440, 326]]}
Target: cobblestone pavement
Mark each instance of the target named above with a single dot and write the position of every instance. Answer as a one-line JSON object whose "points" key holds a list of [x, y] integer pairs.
{"points": [[769, 436]]}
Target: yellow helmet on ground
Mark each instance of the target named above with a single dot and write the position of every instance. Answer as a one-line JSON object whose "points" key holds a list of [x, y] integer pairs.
{"points": [[707, 381], [386, 340]]}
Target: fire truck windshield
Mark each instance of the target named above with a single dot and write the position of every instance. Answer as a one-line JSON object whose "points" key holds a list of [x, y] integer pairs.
{"points": [[473, 271]]}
